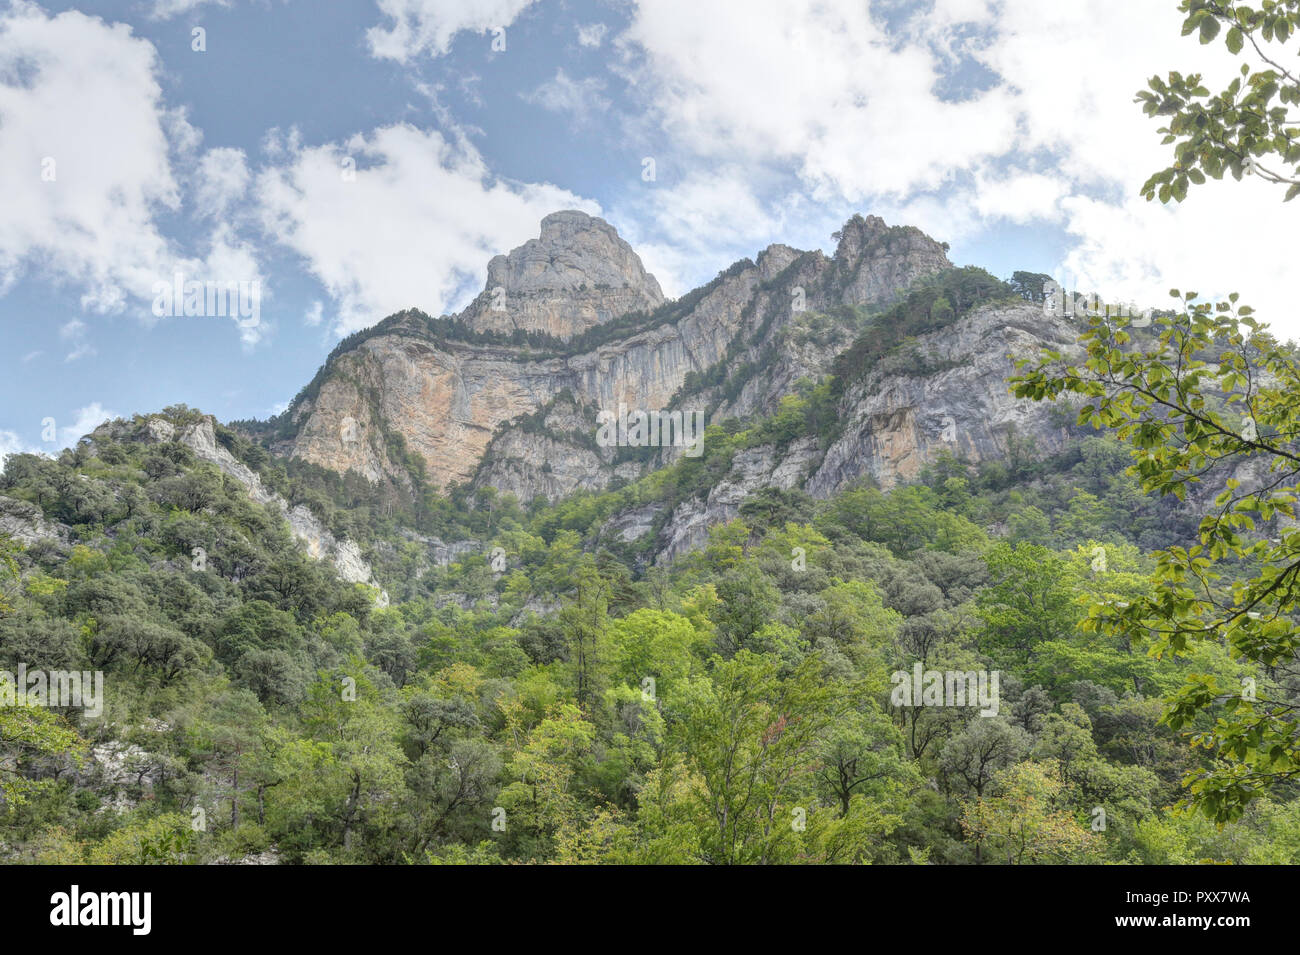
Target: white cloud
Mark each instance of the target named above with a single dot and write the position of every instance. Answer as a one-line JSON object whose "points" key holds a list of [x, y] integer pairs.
{"points": [[88, 147], [591, 34], [1104, 147], [719, 204], [1019, 196], [688, 229], [853, 116], [780, 130], [222, 178], [414, 227], [945, 217], [86, 420], [1075, 99], [166, 9], [582, 97], [428, 26], [773, 131], [12, 443], [819, 87], [70, 81], [706, 217], [230, 260], [74, 333], [1135, 250]]}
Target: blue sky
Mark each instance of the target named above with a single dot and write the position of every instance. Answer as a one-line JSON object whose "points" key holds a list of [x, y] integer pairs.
{"points": [[355, 158]]}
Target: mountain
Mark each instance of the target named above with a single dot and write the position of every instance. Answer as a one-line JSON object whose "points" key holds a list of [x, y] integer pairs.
{"points": [[508, 393], [576, 275], [375, 627], [447, 386]]}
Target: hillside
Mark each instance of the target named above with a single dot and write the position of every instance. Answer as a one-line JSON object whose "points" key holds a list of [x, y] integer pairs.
{"points": [[448, 386], [425, 617]]}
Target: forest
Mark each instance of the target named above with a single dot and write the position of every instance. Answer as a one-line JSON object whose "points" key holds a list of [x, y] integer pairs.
{"points": [[1080, 657], [550, 696]]}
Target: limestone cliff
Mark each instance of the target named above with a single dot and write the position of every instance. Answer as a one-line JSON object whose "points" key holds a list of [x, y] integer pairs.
{"points": [[876, 260], [306, 528], [892, 423], [577, 274], [897, 420], [454, 400]]}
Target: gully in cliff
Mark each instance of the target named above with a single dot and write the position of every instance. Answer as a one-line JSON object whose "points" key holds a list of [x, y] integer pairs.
{"points": [[653, 429]]}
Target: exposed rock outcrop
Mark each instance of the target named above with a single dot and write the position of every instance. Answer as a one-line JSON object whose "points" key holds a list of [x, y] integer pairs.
{"points": [[449, 402], [578, 273], [320, 544], [899, 419], [688, 526], [26, 524], [454, 402], [878, 260]]}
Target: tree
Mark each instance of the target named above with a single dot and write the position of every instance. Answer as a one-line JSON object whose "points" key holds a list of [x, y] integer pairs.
{"points": [[850, 613], [753, 740], [433, 722], [274, 675], [747, 601], [773, 507], [653, 643], [256, 625], [1030, 285], [862, 751], [1252, 119], [450, 790], [228, 735], [1027, 602], [9, 577], [1022, 823], [1208, 398], [162, 840], [986, 746], [541, 799], [140, 643], [343, 781], [30, 735], [586, 624]]}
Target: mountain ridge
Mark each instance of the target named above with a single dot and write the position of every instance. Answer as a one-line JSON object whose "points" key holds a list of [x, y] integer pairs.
{"points": [[448, 398]]}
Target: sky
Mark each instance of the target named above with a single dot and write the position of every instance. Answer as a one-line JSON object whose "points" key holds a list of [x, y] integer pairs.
{"points": [[345, 160]]}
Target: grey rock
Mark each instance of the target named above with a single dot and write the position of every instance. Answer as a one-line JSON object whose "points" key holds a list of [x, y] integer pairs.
{"points": [[306, 528], [26, 524], [577, 274]]}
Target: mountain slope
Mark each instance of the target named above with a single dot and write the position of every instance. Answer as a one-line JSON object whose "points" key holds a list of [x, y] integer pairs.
{"points": [[447, 386]]}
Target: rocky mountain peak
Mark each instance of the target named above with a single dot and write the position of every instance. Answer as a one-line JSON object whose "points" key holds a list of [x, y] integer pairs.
{"points": [[876, 260], [576, 274], [461, 405]]}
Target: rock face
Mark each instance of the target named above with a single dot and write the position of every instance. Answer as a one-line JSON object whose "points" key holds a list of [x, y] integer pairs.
{"points": [[578, 273], [320, 544], [26, 524], [688, 526], [456, 404], [500, 415], [553, 462], [882, 260], [897, 421]]}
